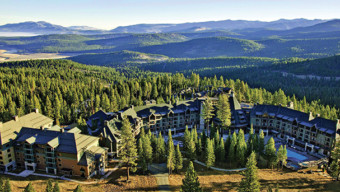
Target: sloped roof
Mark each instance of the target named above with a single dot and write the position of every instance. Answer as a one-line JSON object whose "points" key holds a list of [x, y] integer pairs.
{"points": [[67, 142], [86, 159], [9, 130], [74, 143], [290, 114], [74, 130]]}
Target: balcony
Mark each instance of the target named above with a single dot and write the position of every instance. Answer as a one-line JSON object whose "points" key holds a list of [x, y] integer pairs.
{"points": [[49, 165]]}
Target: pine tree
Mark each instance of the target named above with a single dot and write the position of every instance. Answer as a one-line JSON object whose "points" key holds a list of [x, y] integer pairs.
{"points": [[227, 145], [261, 142], [335, 154], [250, 182], [179, 159], [1, 181], [284, 156], [187, 138], [48, 105], [250, 142], [334, 168], [171, 161], [232, 148], [270, 153], [221, 151], [207, 112], [241, 148], [128, 146], [147, 149], [56, 187], [269, 189], [191, 150], [29, 188], [160, 151], [141, 155], [191, 182], [199, 147], [78, 189], [277, 189], [194, 135], [279, 156], [49, 187], [223, 111], [217, 138], [57, 108], [209, 154], [7, 187]]}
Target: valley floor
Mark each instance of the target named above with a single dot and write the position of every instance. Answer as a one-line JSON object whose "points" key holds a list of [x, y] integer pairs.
{"points": [[6, 55]]}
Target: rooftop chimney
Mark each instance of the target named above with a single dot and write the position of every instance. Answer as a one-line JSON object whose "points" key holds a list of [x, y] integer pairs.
{"points": [[0, 124], [16, 118], [310, 116], [318, 115], [291, 105], [36, 110], [41, 127], [62, 130]]}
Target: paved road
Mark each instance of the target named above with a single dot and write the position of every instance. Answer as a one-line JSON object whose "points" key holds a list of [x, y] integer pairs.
{"points": [[161, 173]]}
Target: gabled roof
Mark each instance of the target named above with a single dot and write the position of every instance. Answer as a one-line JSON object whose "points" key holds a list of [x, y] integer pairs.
{"points": [[9, 130], [322, 124], [86, 159], [67, 142], [74, 143]]}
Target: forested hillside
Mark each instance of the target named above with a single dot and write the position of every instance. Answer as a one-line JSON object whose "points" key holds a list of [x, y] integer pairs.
{"points": [[205, 47], [119, 59], [258, 72], [327, 67], [69, 92], [186, 45]]}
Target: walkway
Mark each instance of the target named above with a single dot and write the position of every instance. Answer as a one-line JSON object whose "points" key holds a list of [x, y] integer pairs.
{"points": [[24, 173], [161, 173], [27, 173], [219, 169]]}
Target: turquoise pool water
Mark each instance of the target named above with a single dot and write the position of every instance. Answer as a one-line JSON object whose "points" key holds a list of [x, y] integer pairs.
{"points": [[296, 155]]}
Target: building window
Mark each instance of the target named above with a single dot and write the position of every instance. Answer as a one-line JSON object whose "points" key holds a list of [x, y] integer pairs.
{"points": [[8, 150], [9, 160]]}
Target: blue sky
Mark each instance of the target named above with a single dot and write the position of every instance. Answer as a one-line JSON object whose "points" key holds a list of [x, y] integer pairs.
{"points": [[108, 14]]}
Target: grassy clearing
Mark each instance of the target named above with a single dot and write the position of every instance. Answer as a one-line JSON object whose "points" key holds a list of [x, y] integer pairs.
{"points": [[116, 182], [210, 180], [287, 180]]}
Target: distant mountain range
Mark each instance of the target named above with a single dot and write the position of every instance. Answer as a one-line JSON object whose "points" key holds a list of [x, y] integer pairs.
{"points": [[282, 24], [43, 27]]}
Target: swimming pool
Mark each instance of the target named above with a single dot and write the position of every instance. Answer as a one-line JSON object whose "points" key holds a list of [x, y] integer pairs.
{"points": [[296, 155]]}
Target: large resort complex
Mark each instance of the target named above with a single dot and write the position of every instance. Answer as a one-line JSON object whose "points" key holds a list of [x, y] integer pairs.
{"points": [[31, 142], [297, 129]]}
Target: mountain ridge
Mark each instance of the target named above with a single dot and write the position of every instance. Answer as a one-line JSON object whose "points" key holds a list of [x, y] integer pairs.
{"points": [[44, 27]]}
